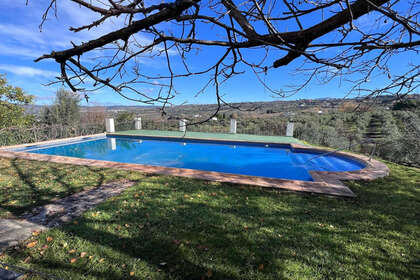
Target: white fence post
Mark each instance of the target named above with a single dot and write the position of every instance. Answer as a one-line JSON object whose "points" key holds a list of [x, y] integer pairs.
{"points": [[109, 124], [137, 123], [289, 130], [182, 125], [232, 126]]}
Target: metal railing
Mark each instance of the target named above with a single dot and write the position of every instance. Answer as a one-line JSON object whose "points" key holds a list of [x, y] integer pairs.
{"points": [[21, 135], [36, 133], [211, 126]]}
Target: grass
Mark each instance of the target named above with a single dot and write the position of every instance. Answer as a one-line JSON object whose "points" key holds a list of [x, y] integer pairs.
{"points": [[26, 184], [180, 228]]}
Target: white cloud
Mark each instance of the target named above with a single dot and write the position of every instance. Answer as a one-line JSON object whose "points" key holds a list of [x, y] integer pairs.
{"points": [[11, 50], [21, 33], [55, 34], [28, 71]]}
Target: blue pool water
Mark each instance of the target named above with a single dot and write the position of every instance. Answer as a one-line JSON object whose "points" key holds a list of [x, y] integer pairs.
{"points": [[277, 161]]}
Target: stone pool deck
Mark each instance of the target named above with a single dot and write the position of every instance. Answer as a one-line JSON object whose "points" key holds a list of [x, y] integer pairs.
{"points": [[327, 183]]}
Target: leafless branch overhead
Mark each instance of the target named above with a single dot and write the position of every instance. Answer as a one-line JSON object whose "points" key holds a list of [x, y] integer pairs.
{"points": [[329, 36]]}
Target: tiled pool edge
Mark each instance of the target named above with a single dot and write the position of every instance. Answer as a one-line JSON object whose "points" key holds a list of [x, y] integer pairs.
{"points": [[328, 183]]}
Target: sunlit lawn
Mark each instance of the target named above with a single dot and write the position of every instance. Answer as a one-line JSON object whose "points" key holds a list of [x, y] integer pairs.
{"points": [[26, 184], [178, 228]]}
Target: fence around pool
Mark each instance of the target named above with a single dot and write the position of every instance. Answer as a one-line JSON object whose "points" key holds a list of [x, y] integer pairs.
{"points": [[37, 133], [211, 126]]}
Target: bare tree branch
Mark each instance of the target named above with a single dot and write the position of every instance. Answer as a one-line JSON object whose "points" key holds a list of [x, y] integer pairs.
{"points": [[326, 37]]}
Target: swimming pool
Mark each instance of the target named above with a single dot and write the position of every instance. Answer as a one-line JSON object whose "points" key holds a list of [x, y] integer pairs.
{"points": [[253, 159]]}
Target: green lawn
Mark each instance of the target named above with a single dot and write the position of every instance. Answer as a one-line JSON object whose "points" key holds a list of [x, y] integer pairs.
{"points": [[26, 184], [179, 228]]}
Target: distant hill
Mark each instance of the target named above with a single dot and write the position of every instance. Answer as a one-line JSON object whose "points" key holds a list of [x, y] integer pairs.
{"points": [[266, 107]]}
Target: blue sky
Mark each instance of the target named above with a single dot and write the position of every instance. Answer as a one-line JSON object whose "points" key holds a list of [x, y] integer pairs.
{"points": [[22, 42]]}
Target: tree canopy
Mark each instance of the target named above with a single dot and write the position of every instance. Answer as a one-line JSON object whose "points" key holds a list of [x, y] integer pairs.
{"points": [[328, 38], [65, 110], [12, 113]]}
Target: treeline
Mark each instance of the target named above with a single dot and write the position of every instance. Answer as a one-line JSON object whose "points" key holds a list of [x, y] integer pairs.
{"points": [[389, 134]]}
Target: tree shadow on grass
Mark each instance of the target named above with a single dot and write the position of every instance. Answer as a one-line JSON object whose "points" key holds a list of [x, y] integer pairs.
{"points": [[177, 228], [32, 188]]}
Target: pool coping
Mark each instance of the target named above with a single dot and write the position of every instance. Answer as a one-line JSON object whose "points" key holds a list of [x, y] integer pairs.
{"points": [[325, 182]]}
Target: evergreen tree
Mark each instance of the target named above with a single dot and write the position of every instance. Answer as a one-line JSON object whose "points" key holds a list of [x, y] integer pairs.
{"points": [[64, 111]]}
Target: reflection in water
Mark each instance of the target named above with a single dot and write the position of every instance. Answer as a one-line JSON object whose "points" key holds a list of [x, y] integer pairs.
{"points": [[112, 143]]}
